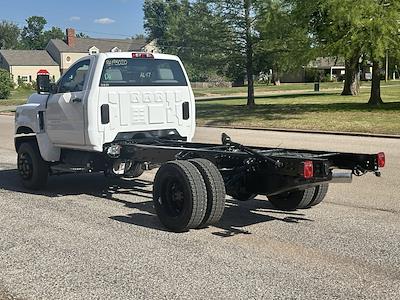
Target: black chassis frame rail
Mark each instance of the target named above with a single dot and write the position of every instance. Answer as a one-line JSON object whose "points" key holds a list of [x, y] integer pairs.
{"points": [[258, 170]]}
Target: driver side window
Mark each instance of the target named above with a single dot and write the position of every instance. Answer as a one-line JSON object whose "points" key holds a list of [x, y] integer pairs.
{"points": [[74, 79]]}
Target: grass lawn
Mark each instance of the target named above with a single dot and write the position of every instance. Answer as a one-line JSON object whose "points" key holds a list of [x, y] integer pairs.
{"points": [[323, 111], [18, 97], [262, 88]]}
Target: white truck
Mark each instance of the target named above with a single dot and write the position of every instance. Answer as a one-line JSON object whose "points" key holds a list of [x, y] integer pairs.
{"points": [[122, 113]]}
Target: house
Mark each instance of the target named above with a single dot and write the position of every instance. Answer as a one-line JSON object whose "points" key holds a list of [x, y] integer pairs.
{"points": [[23, 65], [334, 67], [65, 53], [322, 67], [59, 55]]}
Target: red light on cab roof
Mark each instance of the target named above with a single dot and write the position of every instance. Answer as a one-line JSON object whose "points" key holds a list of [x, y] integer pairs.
{"points": [[142, 55], [381, 159]]}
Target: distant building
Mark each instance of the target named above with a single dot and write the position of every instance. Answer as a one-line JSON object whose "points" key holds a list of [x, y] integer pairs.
{"points": [[328, 67], [59, 55], [334, 67], [65, 53], [24, 64]]}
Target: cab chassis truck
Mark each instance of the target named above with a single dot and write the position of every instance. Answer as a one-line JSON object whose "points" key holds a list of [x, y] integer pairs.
{"points": [[124, 113]]}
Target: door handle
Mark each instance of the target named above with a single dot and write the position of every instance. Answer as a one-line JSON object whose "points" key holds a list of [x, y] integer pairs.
{"points": [[76, 100]]}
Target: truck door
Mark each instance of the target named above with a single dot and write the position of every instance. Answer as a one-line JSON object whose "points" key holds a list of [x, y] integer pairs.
{"points": [[65, 110]]}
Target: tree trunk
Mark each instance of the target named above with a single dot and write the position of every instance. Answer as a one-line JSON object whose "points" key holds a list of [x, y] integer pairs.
{"points": [[352, 77], [275, 75], [249, 55], [375, 98]]}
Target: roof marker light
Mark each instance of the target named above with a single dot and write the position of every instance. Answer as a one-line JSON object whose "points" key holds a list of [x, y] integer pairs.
{"points": [[142, 55]]}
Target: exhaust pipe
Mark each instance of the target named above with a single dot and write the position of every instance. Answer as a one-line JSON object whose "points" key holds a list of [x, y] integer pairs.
{"points": [[342, 177]]}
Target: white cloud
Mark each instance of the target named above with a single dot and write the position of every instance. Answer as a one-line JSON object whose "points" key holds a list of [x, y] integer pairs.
{"points": [[104, 21], [75, 19]]}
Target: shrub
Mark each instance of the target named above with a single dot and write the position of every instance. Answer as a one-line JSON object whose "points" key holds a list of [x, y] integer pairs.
{"points": [[6, 84]]}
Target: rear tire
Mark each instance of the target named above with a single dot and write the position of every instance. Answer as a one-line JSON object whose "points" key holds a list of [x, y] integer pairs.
{"points": [[293, 200], [33, 170], [215, 191], [319, 195], [242, 195], [179, 196]]}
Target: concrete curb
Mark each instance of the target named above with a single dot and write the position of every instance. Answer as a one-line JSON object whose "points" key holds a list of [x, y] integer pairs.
{"points": [[258, 96], [358, 134]]}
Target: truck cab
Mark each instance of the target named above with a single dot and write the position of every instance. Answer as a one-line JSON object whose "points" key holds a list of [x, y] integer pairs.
{"points": [[109, 96]]}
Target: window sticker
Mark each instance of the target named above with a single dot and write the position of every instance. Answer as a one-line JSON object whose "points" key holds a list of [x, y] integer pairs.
{"points": [[116, 62]]}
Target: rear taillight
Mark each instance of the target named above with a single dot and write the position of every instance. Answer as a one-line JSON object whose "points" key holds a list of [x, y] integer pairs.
{"points": [[142, 55], [308, 169], [380, 157]]}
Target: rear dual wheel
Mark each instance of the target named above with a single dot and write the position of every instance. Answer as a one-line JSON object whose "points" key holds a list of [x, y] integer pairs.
{"points": [[215, 191], [188, 194], [299, 199]]}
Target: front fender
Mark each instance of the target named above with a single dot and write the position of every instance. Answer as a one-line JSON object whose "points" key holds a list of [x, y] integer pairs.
{"points": [[27, 116]]}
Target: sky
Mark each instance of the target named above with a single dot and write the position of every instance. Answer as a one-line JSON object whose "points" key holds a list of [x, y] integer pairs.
{"points": [[102, 18]]}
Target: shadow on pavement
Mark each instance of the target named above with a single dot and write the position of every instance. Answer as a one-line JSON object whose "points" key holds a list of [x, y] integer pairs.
{"points": [[237, 215]]}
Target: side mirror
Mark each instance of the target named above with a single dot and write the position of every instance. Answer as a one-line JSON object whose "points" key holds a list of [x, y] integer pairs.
{"points": [[43, 83], [53, 88]]}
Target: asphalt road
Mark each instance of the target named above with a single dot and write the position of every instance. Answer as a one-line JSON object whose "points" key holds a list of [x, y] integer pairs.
{"points": [[86, 238]]}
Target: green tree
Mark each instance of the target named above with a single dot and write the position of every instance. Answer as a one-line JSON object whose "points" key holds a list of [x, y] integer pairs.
{"points": [[240, 16], [190, 30], [33, 35], [354, 29], [53, 33], [6, 84], [82, 35], [373, 26], [285, 44], [328, 32], [9, 35]]}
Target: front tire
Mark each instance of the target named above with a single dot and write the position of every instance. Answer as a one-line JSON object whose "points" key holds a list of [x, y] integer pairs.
{"points": [[179, 196], [134, 171], [33, 170]]}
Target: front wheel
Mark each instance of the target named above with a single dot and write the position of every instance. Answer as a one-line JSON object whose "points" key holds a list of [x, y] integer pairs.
{"points": [[134, 171], [33, 170]]}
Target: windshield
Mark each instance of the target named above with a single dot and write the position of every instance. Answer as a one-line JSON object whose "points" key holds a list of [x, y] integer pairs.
{"points": [[142, 72]]}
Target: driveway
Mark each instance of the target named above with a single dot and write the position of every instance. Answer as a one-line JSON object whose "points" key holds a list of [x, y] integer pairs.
{"points": [[85, 237]]}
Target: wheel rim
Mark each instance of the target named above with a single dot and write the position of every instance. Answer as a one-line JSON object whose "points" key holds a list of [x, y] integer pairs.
{"points": [[25, 166], [172, 197]]}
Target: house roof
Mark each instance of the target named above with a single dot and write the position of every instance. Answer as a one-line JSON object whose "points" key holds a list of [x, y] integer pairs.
{"points": [[82, 45], [327, 62], [28, 58]]}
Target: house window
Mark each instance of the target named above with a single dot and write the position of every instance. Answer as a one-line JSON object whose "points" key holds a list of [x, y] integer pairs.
{"points": [[93, 50], [24, 78], [30, 78]]}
